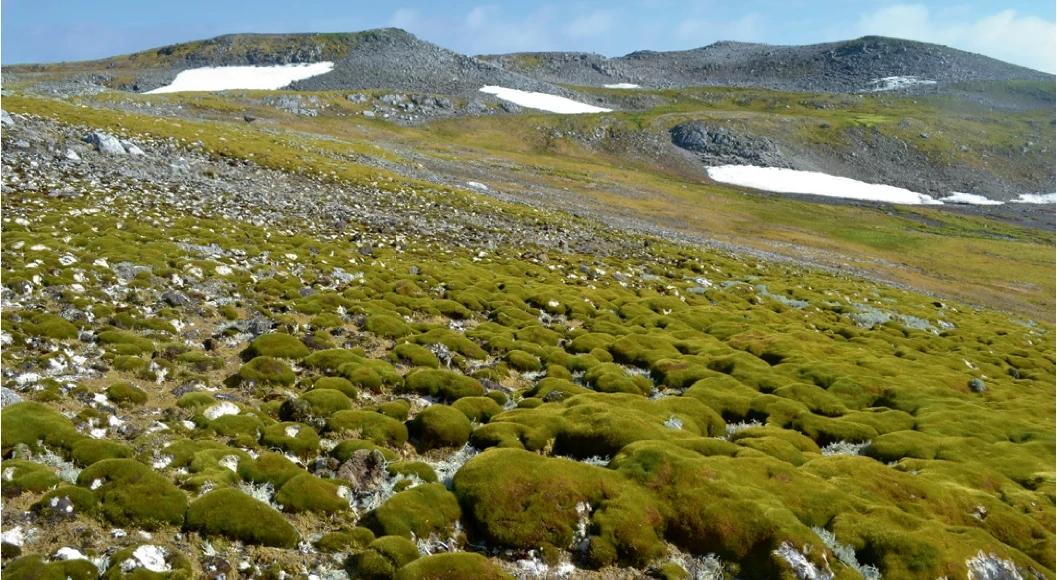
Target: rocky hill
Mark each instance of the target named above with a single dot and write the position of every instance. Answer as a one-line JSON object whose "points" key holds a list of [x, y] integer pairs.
{"points": [[849, 66], [384, 58]]}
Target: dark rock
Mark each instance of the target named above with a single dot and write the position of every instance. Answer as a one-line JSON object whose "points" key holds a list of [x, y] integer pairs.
{"points": [[721, 146], [105, 143], [175, 298], [365, 469], [977, 386]]}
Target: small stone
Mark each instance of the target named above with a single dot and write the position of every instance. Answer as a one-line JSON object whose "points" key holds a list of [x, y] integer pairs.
{"points": [[977, 386]]}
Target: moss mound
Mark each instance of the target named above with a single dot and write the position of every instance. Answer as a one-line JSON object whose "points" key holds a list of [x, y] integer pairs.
{"points": [[267, 370], [132, 494], [126, 394], [420, 511], [34, 567], [382, 558], [237, 516], [445, 385], [439, 426], [376, 427], [455, 566], [308, 493], [276, 345]]}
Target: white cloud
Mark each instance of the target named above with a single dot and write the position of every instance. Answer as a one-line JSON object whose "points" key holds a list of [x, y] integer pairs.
{"points": [[595, 23], [1006, 35]]}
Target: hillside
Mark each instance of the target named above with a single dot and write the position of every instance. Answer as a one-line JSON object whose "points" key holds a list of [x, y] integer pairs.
{"points": [[850, 66], [391, 327], [389, 58]]}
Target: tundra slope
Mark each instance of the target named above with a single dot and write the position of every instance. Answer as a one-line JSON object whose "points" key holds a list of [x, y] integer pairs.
{"points": [[292, 360]]}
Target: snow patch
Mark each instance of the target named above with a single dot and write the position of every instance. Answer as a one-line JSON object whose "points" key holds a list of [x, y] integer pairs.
{"points": [[542, 101], [896, 83], [1039, 198], [814, 183], [223, 78], [969, 199], [622, 86]]}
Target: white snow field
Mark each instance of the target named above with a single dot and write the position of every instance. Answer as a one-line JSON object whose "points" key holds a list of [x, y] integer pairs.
{"points": [[896, 83], [222, 78], [542, 101], [622, 86], [814, 183], [1036, 198], [969, 199]]}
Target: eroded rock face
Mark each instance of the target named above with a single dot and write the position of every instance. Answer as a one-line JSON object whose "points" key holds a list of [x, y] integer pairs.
{"points": [[717, 145]]}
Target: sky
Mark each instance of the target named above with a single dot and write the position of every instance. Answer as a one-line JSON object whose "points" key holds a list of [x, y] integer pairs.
{"points": [[1017, 31]]}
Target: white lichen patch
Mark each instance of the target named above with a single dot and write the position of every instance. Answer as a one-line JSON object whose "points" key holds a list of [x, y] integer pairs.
{"points": [[221, 409]]}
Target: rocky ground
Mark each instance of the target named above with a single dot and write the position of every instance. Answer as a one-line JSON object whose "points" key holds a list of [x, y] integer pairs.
{"points": [[215, 368]]}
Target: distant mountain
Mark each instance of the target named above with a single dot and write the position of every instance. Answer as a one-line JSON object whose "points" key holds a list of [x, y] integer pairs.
{"points": [[395, 59], [382, 58], [849, 66]]}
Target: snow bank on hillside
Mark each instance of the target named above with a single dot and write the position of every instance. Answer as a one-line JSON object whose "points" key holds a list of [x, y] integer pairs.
{"points": [[222, 78], [969, 199], [814, 183], [1036, 198], [896, 83], [542, 101], [622, 86]]}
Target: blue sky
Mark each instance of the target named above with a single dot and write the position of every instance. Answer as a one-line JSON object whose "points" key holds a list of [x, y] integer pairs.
{"points": [[1021, 31]]}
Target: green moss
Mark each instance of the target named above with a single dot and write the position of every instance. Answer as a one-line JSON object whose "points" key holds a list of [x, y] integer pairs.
{"points": [[21, 475], [276, 345], [344, 450], [523, 361], [237, 516], [32, 424], [398, 409], [340, 384], [126, 394], [132, 494], [439, 426], [326, 402], [83, 500], [452, 566], [308, 493], [125, 342], [195, 400], [414, 355], [48, 325], [413, 469], [387, 326], [478, 409], [418, 512], [345, 540], [266, 370], [269, 467], [34, 567], [296, 438], [88, 451], [382, 558], [445, 385], [370, 425]]}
